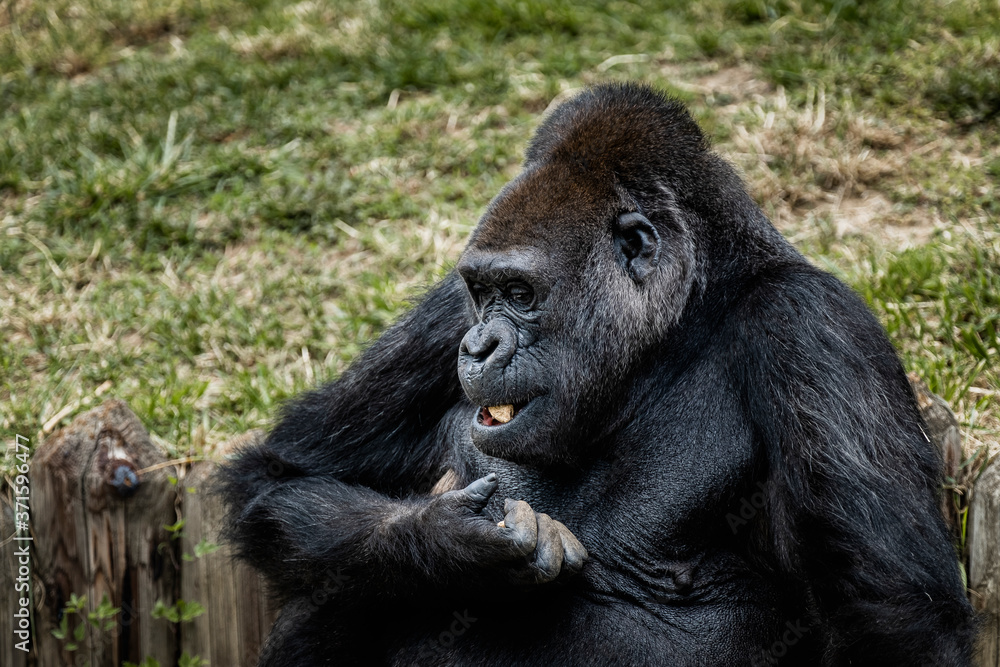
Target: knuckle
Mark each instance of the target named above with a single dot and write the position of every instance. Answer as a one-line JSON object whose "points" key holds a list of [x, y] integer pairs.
{"points": [[572, 559], [546, 570], [524, 542], [451, 496]]}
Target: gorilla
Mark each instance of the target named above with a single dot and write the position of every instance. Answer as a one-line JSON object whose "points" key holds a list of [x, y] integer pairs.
{"points": [[670, 440]]}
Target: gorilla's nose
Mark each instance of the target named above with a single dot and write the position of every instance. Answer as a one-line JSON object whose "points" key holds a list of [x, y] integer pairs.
{"points": [[488, 347]]}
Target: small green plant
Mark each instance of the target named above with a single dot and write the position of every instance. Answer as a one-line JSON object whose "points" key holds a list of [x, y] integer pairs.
{"points": [[148, 661], [203, 548], [100, 619], [176, 482], [176, 530], [179, 612], [191, 661]]}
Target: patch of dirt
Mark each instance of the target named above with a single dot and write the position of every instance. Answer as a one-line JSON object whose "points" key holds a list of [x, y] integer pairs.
{"points": [[720, 86], [871, 214], [740, 83]]}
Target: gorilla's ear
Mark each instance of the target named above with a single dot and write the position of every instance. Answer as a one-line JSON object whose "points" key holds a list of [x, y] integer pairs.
{"points": [[637, 244]]}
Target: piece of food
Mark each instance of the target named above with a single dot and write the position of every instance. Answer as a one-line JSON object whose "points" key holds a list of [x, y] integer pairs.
{"points": [[502, 413]]}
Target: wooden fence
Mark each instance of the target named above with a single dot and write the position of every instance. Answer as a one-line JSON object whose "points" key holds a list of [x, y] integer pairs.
{"points": [[105, 513]]}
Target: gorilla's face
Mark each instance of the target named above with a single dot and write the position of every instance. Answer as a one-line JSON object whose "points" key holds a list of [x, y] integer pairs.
{"points": [[507, 360], [568, 281]]}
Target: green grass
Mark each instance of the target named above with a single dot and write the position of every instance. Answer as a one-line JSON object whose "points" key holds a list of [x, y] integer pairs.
{"points": [[209, 205]]}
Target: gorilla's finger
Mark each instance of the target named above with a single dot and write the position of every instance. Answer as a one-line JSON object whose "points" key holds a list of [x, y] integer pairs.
{"points": [[574, 553], [478, 493], [472, 498], [548, 550], [520, 526]]}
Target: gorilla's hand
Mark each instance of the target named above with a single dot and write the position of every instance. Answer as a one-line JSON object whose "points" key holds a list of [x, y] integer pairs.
{"points": [[532, 547], [552, 548]]}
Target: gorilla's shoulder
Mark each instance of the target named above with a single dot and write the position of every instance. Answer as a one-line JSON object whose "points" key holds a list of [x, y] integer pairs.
{"points": [[797, 304]]}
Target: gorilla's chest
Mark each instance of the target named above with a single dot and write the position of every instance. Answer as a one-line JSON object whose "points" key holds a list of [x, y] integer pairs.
{"points": [[683, 455]]}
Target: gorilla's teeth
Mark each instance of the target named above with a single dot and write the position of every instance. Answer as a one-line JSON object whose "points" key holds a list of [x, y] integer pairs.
{"points": [[502, 413]]}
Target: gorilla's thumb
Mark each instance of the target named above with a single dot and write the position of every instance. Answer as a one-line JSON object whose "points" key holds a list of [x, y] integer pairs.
{"points": [[478, 493]]}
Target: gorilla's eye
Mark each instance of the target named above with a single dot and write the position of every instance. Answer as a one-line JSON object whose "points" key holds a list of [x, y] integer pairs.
{"points": [[479, 291], [521, 295]]}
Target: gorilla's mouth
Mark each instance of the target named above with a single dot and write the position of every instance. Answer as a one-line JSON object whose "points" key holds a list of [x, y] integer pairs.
{"points": [[509, 439], [497, 415]]}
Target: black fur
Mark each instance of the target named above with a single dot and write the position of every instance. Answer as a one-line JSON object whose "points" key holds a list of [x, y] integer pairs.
{"points": [[725, 429]]}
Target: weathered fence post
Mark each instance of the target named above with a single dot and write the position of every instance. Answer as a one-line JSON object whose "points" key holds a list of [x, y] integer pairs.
{"points": [[238, 614], [101, 497], [984, 562], [943, 432], [99, 508]]}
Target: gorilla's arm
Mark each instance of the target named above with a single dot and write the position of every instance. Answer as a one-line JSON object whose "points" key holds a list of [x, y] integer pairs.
{"points": [[325, 472], [373, 426], [853, 478]]}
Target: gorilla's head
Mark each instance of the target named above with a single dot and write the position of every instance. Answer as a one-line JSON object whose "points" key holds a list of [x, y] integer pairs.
{"points": [[580, 268]]}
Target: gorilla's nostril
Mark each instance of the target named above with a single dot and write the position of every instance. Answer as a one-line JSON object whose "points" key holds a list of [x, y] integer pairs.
{"points": [[484, 352], [477, 346]]}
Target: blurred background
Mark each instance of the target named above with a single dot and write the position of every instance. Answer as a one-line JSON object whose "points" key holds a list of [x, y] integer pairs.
{"points": [[208, 205]]}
